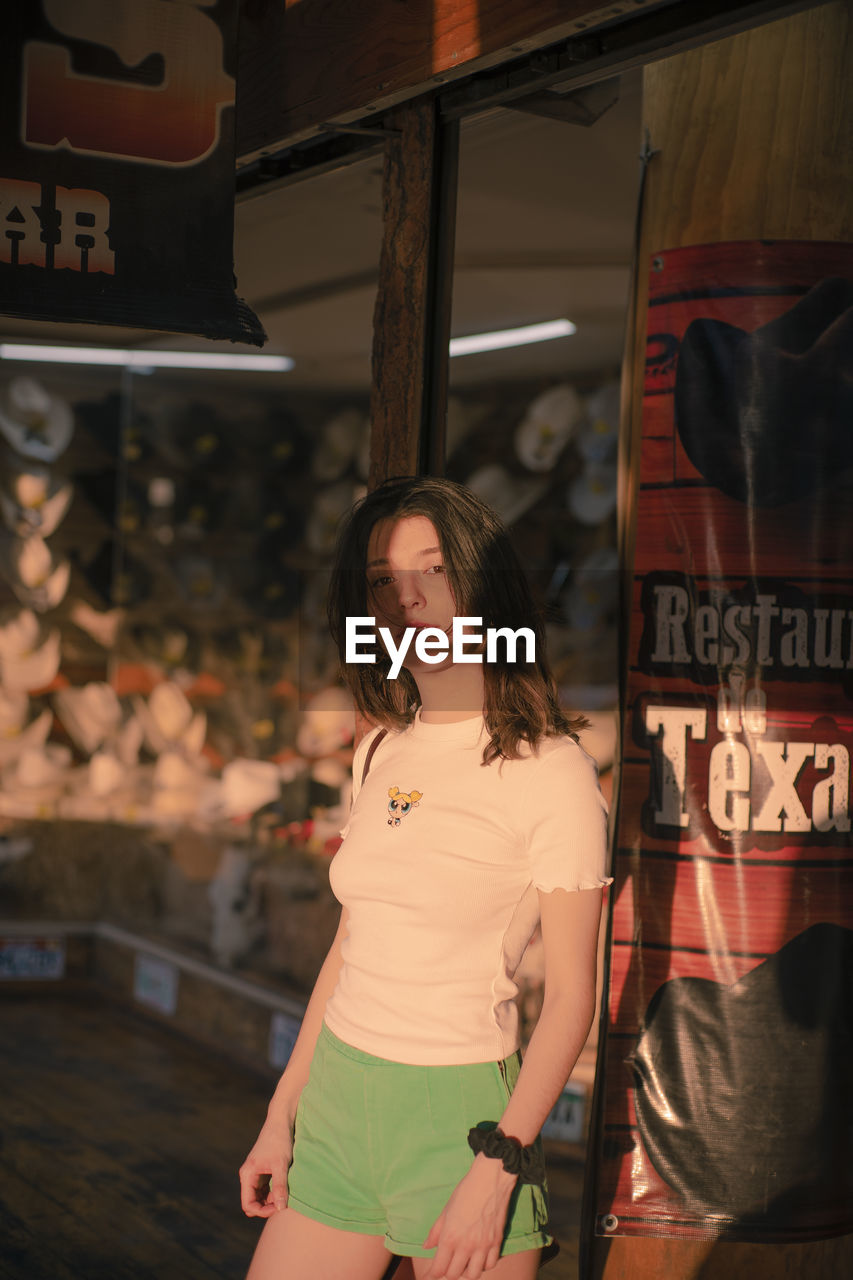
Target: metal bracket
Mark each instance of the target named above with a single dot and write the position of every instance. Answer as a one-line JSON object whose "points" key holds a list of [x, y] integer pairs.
{"points": [[361, 130]]}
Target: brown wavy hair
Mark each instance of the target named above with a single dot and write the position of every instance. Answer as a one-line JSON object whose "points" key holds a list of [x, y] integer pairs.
{"points": [[486, 580]]}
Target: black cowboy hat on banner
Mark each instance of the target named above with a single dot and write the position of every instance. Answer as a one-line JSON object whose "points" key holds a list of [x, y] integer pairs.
{"points": [[766, 416], [742, 1090]]}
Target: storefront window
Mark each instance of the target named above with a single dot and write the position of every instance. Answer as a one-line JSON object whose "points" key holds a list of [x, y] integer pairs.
{"points": [[166, 668]]}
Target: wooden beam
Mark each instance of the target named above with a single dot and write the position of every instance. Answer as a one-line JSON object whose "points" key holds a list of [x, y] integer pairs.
{"points": [[412, 315], [306, 62]]}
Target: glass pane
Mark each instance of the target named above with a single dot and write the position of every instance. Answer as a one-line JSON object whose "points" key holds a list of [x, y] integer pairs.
{"points": [[544, 233]]}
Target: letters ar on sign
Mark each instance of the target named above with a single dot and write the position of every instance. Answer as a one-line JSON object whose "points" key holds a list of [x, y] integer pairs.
{"points": [[117, 165]]}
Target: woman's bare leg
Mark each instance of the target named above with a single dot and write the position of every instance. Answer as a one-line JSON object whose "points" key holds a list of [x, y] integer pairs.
{"points": [[293, 1247], [516, 1266]]}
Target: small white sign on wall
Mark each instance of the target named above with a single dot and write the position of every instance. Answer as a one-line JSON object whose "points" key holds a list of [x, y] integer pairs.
{"points": [[283, 1033], [566, 1121], [155, 983]]}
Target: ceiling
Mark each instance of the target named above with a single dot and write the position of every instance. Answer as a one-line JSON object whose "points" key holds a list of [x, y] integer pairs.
{"points": [[545, 226]]}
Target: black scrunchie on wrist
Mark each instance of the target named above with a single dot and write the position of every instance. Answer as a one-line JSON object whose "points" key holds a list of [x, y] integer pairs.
{"points": [[525, 1163]]}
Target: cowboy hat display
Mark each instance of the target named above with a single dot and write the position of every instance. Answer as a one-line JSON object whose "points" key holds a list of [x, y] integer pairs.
{"points": [[26, 662], [765, 416], [35, 423]]}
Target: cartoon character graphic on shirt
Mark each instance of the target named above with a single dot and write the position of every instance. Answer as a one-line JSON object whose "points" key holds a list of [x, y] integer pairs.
{"points": [[400, 804]]}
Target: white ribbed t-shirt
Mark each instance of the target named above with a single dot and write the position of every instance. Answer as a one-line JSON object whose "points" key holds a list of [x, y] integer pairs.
{"points": [[439, 869]]}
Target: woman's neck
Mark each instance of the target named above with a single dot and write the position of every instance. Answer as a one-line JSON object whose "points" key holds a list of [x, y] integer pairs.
{"points": [[456, 693]]}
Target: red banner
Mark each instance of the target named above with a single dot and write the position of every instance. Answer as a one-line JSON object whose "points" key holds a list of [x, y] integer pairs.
{"points": [[117, 165], [725, 1106]]}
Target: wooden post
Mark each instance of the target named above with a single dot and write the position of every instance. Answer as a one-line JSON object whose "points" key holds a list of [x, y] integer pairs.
{"points": [[754, 141], [412, 315]]}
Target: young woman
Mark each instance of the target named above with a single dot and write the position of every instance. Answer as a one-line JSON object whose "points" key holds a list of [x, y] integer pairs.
{"points": [[404, 1121]]}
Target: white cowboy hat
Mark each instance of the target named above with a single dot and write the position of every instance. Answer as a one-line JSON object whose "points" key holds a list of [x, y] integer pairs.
{"points": [[33, 499], [330, 772], [102, 627], [592, 494], [338, 444], [178, 784], [106, 773], [18, 739], [168, 720], [35, 577], [35, 423], [14, 705], [91, 713], [547, 427], [248, 785], [598, 439], [330, 507], [127, 742], [39, 767], [328, 723], [25, 664], [509, 496], [595, 589]]}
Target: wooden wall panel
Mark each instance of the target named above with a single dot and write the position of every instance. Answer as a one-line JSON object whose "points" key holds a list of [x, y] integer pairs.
{"points": [[753, 141]]}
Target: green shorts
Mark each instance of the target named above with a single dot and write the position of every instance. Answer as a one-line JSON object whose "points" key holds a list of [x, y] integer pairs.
{"points": [[379, 1146]]}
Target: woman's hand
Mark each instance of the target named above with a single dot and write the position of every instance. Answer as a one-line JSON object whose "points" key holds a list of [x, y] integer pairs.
{"points": [[263, 1175], [468, 1233]]}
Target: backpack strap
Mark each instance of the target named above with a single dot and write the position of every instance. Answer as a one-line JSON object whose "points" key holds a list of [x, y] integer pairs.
{"points": [[370, 754]]}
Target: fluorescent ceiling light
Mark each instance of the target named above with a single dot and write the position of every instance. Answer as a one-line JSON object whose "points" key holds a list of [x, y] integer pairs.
{"points": [[511, 337], [145, 359]]}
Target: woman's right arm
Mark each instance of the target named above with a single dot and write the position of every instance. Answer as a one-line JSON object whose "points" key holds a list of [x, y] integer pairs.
{"points": [[271, 1155]]}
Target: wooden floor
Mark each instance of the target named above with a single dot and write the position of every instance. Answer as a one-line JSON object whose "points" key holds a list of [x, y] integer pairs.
{"points": [[121, 1142]]}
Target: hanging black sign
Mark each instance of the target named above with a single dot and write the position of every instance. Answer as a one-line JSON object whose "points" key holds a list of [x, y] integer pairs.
{"points": [[117, 165]]}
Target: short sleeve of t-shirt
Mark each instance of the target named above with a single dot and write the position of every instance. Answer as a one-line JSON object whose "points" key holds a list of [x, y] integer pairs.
{"points": [[564, 819]]}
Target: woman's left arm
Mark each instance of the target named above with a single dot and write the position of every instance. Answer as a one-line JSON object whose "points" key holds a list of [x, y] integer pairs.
{"points": [[469, 1231]]}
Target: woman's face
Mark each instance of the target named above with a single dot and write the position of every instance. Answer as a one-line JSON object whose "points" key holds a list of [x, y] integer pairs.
{"points": [[406, 585]]}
